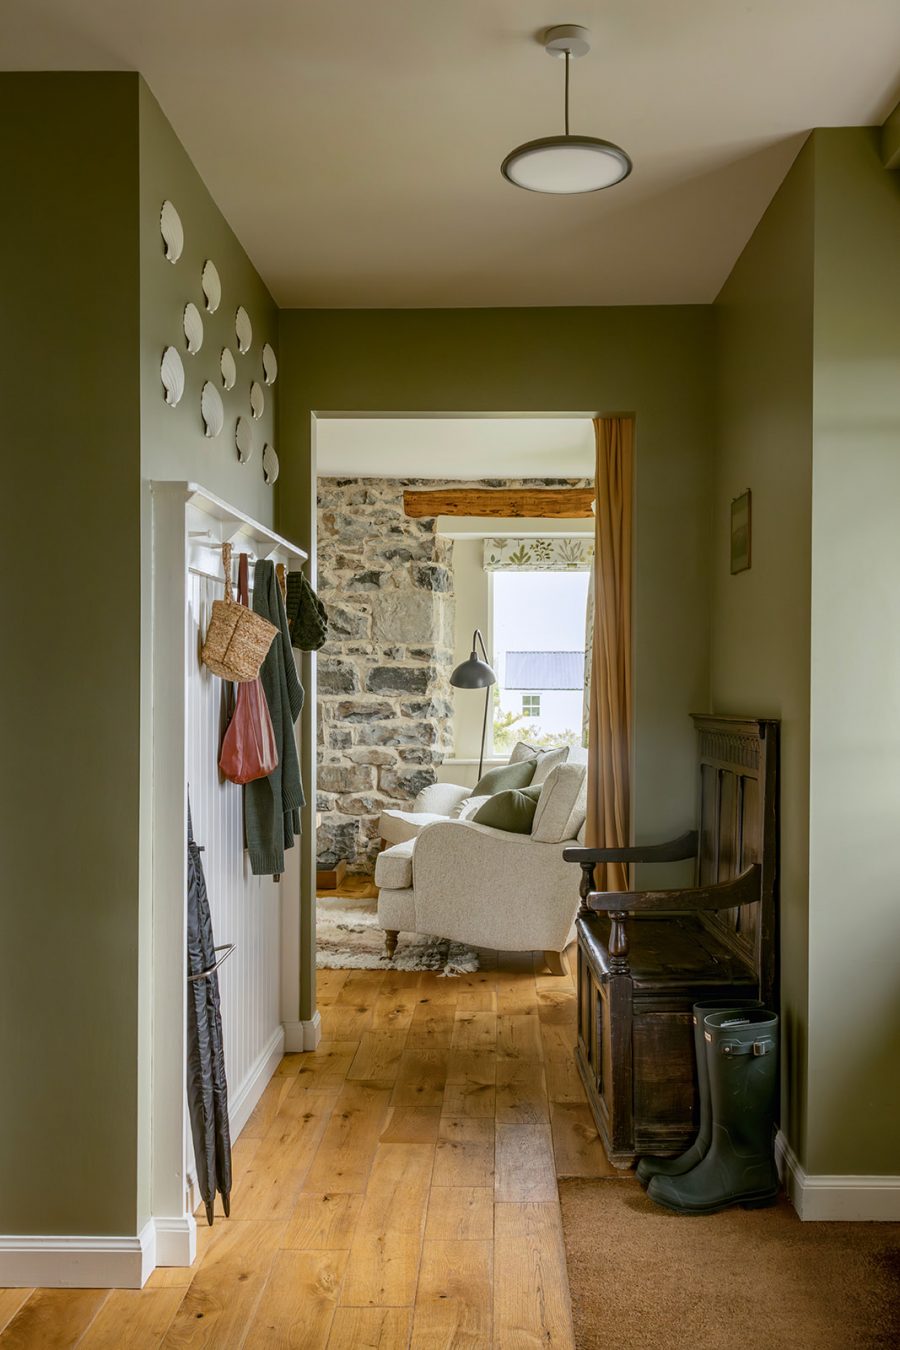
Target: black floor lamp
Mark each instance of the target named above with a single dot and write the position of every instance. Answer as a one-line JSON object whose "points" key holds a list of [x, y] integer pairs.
{"points": [[476, 674]]}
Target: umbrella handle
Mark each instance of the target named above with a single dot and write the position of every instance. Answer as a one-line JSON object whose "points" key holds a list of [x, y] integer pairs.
{"points": [[227, 948]]}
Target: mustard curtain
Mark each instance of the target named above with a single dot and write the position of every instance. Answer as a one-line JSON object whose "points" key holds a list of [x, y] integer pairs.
{"points": [[610, 712]]}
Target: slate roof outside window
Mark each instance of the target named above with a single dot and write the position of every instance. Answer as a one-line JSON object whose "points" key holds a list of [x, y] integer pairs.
{"points": [[544, 670]]}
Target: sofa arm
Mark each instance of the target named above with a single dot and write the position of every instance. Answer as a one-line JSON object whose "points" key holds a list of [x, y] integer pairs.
{"points": [[490, 888], [440, 798]]}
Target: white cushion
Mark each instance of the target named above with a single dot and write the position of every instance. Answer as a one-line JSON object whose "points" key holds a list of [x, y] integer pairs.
{"points": [[395, 827], [522, 750], [547, 761], [468, 808], [393, 867], [561, 805]]}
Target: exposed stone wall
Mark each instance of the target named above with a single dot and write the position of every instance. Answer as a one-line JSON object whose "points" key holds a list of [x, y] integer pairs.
{"points": [[384, 709]]}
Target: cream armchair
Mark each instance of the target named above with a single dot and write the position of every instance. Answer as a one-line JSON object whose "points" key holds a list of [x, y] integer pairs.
{"points": [[485, 887]]}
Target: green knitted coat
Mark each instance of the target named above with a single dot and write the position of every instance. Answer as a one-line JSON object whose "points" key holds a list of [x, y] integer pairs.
{"points": [[272, 805]]}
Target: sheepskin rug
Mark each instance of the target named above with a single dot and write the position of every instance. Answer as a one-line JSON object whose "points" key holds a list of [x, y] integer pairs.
{"points": [[348, 938]]}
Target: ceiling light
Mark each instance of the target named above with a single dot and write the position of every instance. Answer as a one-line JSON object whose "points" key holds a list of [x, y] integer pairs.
{"points": [[566, 164]]}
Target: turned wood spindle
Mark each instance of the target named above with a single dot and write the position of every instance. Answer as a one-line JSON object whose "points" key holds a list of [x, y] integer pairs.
{"points": [[618, 943], [585, 887]]}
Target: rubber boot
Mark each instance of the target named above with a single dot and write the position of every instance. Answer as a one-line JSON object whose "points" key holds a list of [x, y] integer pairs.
{"points": [[739, 1167], [676, 1167]]}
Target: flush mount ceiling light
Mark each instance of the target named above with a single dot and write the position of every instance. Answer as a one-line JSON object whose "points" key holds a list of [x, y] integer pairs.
{"points": [[566, 164]]}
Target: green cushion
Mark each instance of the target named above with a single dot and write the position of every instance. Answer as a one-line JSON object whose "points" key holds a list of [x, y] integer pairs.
{"points": [[512, 810], [503, 777]]}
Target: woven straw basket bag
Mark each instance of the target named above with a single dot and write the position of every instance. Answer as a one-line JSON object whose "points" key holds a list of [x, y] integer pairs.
{"points": [[237, 640]]}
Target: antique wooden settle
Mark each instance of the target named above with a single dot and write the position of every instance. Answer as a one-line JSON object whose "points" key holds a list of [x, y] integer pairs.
{"points": [[645, 957]]}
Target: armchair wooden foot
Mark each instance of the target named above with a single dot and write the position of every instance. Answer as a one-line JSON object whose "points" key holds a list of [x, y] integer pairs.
{"points": [[390, 941], [556, 963]]}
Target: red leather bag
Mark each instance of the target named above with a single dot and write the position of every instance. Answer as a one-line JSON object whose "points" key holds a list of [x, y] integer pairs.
{"points": [[248, 746]]}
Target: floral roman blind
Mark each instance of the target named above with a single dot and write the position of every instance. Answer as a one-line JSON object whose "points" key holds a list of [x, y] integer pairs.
{"points": [[553, 554]]}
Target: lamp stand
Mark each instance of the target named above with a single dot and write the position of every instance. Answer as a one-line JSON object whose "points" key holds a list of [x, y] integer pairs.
{"points": [[487, 700]]}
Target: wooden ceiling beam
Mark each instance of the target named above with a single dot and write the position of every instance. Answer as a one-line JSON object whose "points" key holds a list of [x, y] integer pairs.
{"points": [[541, 503]]}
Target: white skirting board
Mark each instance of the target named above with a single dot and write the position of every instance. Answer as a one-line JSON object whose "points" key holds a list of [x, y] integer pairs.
{"points": [[300, 1036], [76, 1262], [847, 1199]]}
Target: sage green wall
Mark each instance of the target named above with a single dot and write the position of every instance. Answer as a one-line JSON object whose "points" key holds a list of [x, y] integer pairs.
{"points": [[655, 362], [759, 654], [173, 440], [809, 418], [71, 534], [854, 992]]}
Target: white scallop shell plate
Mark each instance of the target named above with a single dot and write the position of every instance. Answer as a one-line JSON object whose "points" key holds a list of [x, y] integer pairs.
{"points": [[270, 364], [243, 440], [228, 368], [172, 231], [257, 401], [193, 328], [269, 463], [212, 409], [171, 372], [212, 286], [243, 329]]}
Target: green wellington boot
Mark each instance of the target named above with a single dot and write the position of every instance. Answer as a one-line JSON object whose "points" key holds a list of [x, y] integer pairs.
{"points": [[739, 1167], [676, 1167]]}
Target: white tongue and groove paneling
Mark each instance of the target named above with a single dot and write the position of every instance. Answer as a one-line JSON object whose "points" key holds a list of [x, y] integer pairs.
{"points": [[245, 909]]}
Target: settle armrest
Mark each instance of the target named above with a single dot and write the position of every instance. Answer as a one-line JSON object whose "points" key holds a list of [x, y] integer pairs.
{"points": [[743, 890], [685, 846]]}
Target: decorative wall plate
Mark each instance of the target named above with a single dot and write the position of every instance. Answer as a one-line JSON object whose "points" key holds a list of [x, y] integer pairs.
{"points": [[243, 439], [172, 231], [212, 286], [211, 409], [243, 329], [257, 401], [193, 328], [270, 464], [270, 364], [228, 368], [171, 372]]}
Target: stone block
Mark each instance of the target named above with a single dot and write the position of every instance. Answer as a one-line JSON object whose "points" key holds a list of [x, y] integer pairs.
{"points": [[433, 578], [405, 783], [339, 738], [344, 622], [369, 580], [400, 679], [396, 733], [363, 755], [337, 677], [403, 616], [363, 710], [362, 805], [336, 838], [345, 777]]}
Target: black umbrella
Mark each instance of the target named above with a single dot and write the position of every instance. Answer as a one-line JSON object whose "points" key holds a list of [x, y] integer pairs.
{"points": [[207, 1089]]}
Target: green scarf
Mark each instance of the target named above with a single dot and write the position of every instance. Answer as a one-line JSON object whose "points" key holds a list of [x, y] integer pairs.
{"points": [[307, 616]]}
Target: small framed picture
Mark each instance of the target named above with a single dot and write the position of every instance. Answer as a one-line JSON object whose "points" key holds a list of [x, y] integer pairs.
{"points": [[740, 533]]}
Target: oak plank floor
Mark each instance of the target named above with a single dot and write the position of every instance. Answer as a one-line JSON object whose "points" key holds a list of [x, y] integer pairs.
{"points": [[396, 1188]]}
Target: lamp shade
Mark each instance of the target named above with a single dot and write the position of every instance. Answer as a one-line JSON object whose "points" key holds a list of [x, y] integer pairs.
{"points": [[566, 165], [473, 674]]}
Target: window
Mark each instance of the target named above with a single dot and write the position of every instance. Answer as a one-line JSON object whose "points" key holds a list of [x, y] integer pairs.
{"points": [[537, 650]]}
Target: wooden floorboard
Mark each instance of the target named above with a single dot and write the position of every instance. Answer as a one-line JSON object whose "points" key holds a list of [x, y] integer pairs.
{"points": [[394, 1189]]}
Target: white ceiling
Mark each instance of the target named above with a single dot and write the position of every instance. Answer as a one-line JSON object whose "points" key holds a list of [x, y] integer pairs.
{"points": [[455, 447], [354, 146]]}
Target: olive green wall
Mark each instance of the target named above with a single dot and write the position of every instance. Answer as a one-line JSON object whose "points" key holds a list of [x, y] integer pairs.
{"points": [[89, 304], [173, 440], [808, 329], [70, 505], [759, 653], [655, 362], [854, 991]]}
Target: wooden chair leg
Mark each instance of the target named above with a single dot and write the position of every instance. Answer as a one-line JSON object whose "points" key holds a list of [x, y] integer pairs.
{"points": [[390, 941], [556, 963]]}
